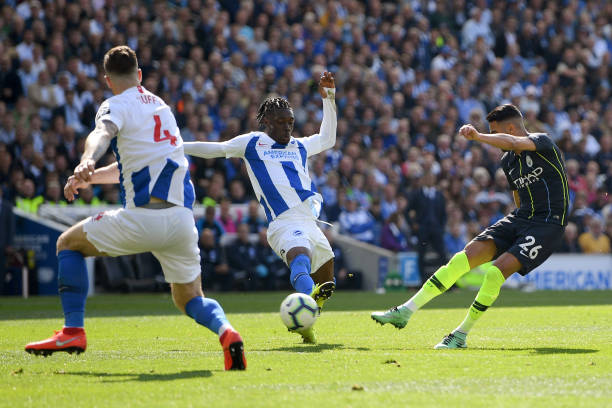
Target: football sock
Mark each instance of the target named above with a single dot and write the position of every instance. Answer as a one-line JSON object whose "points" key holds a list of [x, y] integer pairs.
{"points": [[439, 282], [300, 274], [73, 284], [487, 294], [209, 313]]}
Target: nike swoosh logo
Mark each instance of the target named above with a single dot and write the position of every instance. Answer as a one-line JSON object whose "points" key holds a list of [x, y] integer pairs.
{"points": [[510, 172], [62, 343]]}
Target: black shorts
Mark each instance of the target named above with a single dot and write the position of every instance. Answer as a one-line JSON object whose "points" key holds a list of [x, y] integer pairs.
{"points": [[532, 242]]}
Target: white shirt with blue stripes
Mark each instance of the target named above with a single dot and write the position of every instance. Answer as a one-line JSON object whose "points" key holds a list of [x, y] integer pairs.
{"points": [[148, 149], [278, 173]]}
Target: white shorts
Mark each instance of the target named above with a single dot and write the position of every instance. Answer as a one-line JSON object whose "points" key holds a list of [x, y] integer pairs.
{"points": [[170, 234], [296, 228]]}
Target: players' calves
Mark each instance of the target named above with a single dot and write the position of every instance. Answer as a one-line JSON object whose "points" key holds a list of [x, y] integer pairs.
{"points": [[182, 293], [479, 252], [325, 273], [293, 252], [75, 239], [507, 264]]}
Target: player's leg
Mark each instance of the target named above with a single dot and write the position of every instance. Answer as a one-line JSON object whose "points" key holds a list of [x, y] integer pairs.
{"points": [[322, 263], [73, 284], [495, 276], [527, 252], [475, 254], [179, 257], [298, 260]]}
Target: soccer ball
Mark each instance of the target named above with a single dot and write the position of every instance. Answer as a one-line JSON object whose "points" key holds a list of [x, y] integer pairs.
{"points": [[298, 311]]}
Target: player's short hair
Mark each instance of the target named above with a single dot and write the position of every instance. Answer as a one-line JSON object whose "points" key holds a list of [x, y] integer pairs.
{"points": [[120, 61], [504, 112], [269, 106]]}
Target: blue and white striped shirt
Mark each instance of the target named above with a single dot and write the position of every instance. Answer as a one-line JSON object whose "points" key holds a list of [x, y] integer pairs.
{"points": [[278, 173]]}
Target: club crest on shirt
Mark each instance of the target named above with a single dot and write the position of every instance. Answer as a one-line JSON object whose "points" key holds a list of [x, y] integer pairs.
{"points": [[528, 160]]}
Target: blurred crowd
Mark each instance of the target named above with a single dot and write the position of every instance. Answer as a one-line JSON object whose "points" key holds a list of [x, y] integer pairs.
{"points": [[408, 75]]}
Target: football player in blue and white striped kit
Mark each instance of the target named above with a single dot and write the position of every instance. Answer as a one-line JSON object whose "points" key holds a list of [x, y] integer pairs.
{"points": [[278, 169], [157, 196]]}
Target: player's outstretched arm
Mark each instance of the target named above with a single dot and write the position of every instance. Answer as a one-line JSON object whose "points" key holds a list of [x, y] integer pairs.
{"points": [[95, 146], [206, 150], [326, 138], [500, 140], [104, 175]]}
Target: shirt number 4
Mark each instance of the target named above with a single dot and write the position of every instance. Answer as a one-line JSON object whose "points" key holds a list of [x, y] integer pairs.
{"points": [[157, 132]]}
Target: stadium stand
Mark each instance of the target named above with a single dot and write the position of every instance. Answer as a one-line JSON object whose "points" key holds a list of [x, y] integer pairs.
{"points": [[408, 75]]}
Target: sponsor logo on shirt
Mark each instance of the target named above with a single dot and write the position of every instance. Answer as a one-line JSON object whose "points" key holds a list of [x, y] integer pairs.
{"points": [[529, 178], [280, 154]]}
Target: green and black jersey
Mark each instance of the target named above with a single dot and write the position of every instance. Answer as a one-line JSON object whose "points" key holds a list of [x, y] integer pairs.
{"points": [[541, 181]]}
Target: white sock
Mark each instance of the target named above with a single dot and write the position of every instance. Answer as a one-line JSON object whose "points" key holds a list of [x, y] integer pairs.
{"points": [[223, 328], [410, 305]]}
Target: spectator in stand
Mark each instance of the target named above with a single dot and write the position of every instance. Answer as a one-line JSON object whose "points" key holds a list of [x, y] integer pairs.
{"points": [[54, 192], [356, 222], [87, 197], [594, 241], [270, 269], [253, 219], [394, 233], [209, 221], [225, 218], [215, 271], [242, 260], [454, 240], [28, 200], [427, 215], [570, 239]]}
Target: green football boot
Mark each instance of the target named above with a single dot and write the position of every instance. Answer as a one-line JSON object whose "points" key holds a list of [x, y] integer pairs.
{"points": [[321, 292], [308, 335], [455, 340], [397, 316]]}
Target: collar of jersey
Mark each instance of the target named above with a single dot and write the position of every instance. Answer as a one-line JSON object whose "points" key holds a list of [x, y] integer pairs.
{"points": [[273, 143]]}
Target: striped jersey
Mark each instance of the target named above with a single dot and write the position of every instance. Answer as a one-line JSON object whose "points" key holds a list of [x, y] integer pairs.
{"points": [[278, 173], [539, 177], [148, 149]]}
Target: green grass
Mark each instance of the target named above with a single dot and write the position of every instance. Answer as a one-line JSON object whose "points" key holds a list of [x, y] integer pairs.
{"points": [[543, 349]]}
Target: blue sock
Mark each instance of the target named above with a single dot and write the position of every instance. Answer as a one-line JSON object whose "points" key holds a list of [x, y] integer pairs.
{"points": [[300, 274], [73, 284], [208, 312]]}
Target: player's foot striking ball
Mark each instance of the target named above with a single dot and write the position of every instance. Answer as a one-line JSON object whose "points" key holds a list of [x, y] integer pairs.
{"points": [[521, 241], [157, 197], [277, 165]]}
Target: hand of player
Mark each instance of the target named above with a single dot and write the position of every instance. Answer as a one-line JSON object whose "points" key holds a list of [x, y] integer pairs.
{"points": [[84, 170], [72, 187], [326, 81], [469, 132]]}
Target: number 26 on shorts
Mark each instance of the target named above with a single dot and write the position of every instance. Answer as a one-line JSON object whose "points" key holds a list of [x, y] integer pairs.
{"points": [[531, 253], [157, 132]]}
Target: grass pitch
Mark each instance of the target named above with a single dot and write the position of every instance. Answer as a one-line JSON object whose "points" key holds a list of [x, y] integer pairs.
{"points": [[543, 349]]}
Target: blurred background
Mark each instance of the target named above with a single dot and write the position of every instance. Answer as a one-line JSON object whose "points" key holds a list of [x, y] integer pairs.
{"points": [[401, 187]]}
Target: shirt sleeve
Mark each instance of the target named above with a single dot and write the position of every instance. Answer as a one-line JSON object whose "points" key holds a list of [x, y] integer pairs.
{"points": [[542, 142], [326, 138], [112, 112], [208, 150]]}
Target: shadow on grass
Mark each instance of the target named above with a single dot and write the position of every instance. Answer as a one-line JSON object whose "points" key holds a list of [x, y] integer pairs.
{"points": [[315, 348], [545, 350], [143, 377]]}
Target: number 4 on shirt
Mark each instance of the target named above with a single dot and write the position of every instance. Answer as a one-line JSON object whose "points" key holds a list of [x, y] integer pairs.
{"points": [[157, 132]]}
